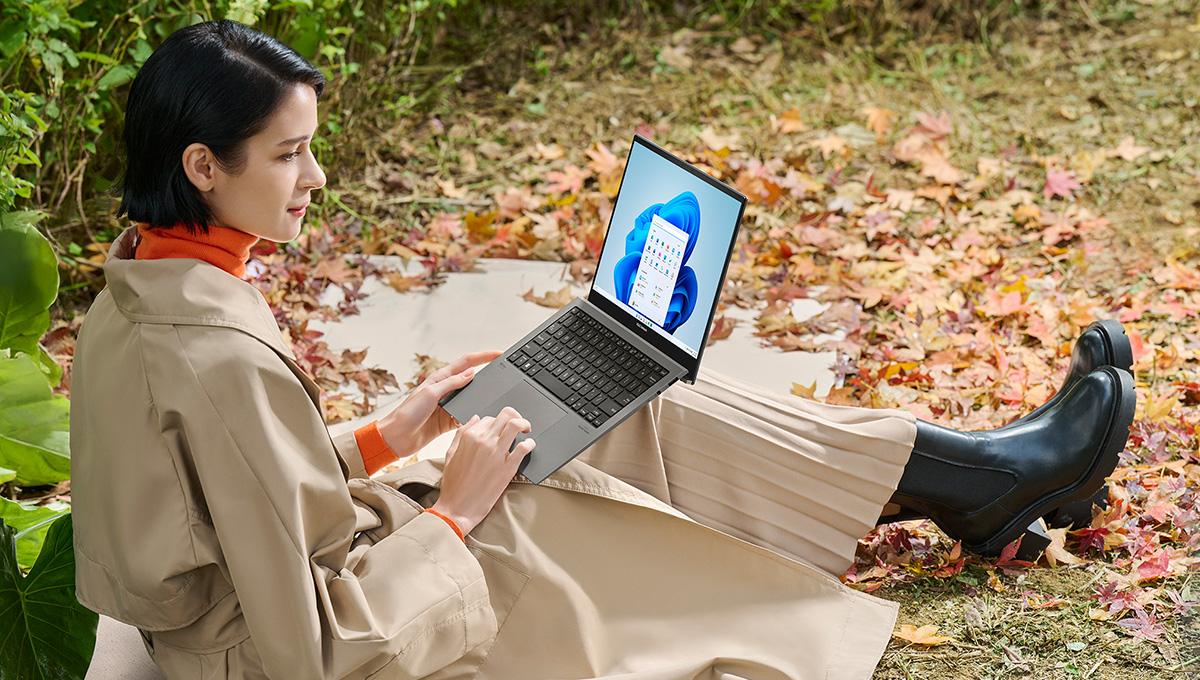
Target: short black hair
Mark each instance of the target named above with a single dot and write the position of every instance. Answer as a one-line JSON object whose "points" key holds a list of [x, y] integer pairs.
{"points": [[216, 83]]}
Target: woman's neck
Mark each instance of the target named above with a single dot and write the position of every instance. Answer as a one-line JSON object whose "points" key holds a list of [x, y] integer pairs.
{"points": [[222, 247]]}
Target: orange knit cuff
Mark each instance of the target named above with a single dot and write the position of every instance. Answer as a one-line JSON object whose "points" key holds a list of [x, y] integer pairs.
{"points": [[376, 454], [453, 525]]}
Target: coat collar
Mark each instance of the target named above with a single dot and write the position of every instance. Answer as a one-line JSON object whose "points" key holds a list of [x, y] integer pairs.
{"points": [[187, 292]]}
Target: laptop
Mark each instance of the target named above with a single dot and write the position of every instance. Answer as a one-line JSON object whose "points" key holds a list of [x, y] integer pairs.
{"points": [[642, 326]]}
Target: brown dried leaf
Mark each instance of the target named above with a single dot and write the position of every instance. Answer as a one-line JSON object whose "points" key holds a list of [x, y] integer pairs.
{"points": [[451, 191], [555, 300]]}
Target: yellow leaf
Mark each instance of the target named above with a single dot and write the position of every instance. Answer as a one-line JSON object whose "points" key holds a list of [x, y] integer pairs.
{"points": [[1156, 410], [879, 121], [805, 392], [789, 122], [925, 635]]}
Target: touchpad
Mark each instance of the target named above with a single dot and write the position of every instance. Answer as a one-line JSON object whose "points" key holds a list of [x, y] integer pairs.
{"points": [[533, 406]]}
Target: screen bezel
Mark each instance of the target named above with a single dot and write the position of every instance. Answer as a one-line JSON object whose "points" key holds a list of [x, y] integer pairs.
{"points": [[623, 316]]}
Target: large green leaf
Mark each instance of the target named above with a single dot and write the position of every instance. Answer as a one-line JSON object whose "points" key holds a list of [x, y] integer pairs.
{"points": [[44, 632], [28, 282], [34, 424], [31, 524]]}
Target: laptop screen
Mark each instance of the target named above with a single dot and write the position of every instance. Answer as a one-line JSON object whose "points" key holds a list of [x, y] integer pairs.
{"points": [[668, 246]]}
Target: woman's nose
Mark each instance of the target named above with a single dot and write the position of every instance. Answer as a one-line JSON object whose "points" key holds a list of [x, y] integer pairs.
{"points": [[312, 177]]}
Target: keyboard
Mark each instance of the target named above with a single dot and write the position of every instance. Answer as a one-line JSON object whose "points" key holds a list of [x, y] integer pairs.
{"points": [[591, 369]]}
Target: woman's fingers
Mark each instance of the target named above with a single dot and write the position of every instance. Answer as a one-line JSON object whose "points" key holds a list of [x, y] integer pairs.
{"points": [[521, 450], [462, 363], [458, 434]]}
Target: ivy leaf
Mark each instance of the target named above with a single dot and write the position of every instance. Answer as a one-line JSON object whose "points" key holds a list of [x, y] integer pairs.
{"points": [[28, 282], [34, 424], [45, 633]]}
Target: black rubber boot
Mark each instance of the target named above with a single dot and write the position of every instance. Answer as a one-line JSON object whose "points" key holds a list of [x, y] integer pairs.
{"points": [[989, 488], [1102, 343]]}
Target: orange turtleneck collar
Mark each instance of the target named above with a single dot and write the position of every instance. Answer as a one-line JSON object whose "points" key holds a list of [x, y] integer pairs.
{"points": [[221, 247]]}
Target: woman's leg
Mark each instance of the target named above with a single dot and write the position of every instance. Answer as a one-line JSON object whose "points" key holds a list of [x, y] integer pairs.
{"points": [[807, 480], [798, 477]]}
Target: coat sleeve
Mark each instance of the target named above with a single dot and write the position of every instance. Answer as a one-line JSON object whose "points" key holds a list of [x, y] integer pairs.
{"points": [[348, 451], [284, 520]]}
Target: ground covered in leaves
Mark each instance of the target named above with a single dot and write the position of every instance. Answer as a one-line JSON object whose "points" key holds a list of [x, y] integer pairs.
{"points": [[963, 209]]}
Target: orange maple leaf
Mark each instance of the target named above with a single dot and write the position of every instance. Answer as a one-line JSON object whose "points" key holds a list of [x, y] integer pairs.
{"points": [[879, 120], [925, 635], [789, 122], [829, 145]]}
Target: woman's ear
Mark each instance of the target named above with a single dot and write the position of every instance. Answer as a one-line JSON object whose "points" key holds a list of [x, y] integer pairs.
{"points": [[200, 166]]}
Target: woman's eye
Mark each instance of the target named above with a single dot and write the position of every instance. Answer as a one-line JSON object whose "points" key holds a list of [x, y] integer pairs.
{"points": [[288, 157]]}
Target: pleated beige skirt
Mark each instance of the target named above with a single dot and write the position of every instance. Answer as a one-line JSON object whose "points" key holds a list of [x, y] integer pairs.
{"points": [[702, 538]]}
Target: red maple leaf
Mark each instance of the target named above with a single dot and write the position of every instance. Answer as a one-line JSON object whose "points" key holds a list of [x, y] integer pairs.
{"points": [[1059, 183]]}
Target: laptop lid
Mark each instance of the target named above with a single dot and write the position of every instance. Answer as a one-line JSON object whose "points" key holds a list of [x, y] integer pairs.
{"points": [[666, 252]]}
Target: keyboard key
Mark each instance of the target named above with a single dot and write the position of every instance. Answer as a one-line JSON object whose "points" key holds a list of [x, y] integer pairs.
{"points": [[556, 387], [609, 406]]}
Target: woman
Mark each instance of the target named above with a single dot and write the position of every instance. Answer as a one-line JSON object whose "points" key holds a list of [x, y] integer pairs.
{"points": [[702, 538]]}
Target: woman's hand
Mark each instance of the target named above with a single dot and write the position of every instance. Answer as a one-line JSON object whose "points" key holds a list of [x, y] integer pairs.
{"points": [[479, 466], [419, 419]]}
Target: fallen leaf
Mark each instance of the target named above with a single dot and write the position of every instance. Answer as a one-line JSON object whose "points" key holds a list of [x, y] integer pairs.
{"points": [[789, 122], [1056, 553], [676, 57], [451, 191], [1128, 150], [829, 145], [555, 300], [721, 328], [807, 392], [879, 120], [1059, 183], [925, 635], [551, 152], [934, 126], [718, 142], [744, 45]]}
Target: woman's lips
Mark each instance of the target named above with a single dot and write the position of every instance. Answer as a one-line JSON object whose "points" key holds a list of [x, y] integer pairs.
{"points": [[299, 212]]}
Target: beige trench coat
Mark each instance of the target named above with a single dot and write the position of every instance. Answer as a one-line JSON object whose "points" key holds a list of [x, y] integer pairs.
{"points": [[214, 512]]}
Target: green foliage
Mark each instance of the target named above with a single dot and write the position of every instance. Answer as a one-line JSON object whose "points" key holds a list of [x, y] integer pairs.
{"points": [[67, 64], [31, 523], [44, 632], [28, 286], [34, 423]]}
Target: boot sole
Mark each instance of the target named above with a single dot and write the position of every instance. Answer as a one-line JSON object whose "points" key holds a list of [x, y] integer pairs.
{"points": [[1118, 344], [1102, 466]]}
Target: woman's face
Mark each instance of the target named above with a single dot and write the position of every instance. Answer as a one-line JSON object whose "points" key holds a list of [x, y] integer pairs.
{"points": [[269, 196]]}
